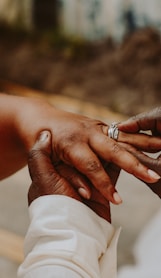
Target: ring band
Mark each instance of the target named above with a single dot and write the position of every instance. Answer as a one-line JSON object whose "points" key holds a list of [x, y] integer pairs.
{"points": [[113, 131]]}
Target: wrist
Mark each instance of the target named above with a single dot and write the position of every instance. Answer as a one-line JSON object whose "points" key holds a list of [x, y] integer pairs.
{"points": [[31, 120]]}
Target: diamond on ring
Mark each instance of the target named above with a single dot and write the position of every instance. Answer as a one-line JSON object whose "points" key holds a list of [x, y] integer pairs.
{"points": [[113, 131]]}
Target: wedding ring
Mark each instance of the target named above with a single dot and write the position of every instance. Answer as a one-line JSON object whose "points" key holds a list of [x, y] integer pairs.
{"points": [[113, 131]]}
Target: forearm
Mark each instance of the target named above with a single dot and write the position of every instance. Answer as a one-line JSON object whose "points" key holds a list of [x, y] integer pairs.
{"points": [[13, 154], [20, 123], [66, 236]]}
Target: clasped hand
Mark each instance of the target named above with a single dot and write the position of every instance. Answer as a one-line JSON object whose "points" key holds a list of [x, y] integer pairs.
{"points": [[148, 121], [83, 144], [48, 180], [64, 180]]}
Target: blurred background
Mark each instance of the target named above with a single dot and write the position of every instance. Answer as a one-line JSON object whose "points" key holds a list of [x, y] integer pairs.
{"points": [[104, 52], [97, 57]]}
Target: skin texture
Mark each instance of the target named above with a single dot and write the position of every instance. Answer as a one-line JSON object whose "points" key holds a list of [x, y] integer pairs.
{"points": [[45, 182], [151, 122], [78, 142]]}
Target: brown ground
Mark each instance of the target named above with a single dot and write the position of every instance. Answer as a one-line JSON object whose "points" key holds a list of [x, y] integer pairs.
{"points": [[126, 77]]}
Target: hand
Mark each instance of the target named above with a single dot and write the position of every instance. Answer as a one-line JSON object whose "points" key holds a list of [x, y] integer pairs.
{"points": [[145, 121], [47, 181], [148, 121], [151, 163], [77, 141], [82, 142], [154, 164]]}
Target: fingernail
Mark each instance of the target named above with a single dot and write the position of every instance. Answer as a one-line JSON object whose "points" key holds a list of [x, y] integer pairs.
{"points": [[153, 174], [43, 136], [117, 198], [84, 193]]}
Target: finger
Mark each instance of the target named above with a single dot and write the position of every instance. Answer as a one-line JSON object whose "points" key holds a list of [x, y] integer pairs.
{"points": [[145, 159], [111, 151], [154, 164], [76, 179], [99, 209], [150, 162], [41, 148], [137, 123], [42, 172], [99, 205], [156, 187], [88, 163], [142, 141], [113, 172], [143, 121]]}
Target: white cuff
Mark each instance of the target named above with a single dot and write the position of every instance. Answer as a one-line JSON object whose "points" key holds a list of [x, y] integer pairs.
{"points": [[64, 232]]}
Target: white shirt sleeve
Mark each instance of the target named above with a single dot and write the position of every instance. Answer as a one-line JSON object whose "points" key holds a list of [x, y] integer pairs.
{"points": [[147, 252], [67, 239]]}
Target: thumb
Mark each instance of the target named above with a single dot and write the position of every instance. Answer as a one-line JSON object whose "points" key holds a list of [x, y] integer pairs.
{"points": [[45, 179], [39, 159]]}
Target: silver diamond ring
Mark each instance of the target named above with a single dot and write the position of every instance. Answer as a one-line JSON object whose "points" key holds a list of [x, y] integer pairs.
{"points": [[113, 131]]}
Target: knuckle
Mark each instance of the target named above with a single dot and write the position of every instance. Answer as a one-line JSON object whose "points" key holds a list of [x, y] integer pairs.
{"points": [[65, 153], [51, 185], [93, 166], [51, 178], [68, 138], [115, 148], [58, 186], [34, 154], [106, 187]]}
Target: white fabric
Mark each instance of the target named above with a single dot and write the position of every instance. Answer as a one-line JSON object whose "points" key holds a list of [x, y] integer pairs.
{"points": [[147, 252], [67, 239]]}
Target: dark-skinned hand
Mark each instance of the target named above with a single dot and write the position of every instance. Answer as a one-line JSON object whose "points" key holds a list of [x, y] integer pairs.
{"points": [[151, 122], [80, 142], [48, 179]]}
